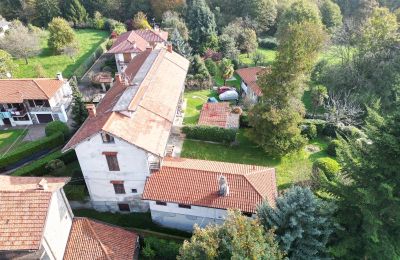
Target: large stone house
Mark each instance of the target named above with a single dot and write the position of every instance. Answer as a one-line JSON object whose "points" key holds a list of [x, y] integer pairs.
{"points": [[131, 43], [34, 101], [36, 222], [125, 137], [185, 192]]}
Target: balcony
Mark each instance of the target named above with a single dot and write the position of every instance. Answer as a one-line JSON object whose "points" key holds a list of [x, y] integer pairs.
{"points": [[16, 112]]}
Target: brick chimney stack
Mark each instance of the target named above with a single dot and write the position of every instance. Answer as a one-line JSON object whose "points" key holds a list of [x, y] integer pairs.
{"points": [[91, 108], [118, 77], [169, 47]]}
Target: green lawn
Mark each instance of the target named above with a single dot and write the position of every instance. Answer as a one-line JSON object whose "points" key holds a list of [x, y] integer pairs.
{"points": [[11, 137], [268, 54], [194, 103], [88, 40]]}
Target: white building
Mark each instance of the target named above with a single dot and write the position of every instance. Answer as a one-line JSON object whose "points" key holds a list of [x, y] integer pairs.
{"points": [[250, 89], [4, 26], [185, 192], [131, 43], [125, 137], [34, 101], [35, 218]]}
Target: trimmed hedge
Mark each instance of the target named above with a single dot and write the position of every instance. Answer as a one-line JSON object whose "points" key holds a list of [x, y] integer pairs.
{"points": [[156, 248], [56, 127], [332, 146], [38, 167], [328, 166], [210, 133], [30, 148]]}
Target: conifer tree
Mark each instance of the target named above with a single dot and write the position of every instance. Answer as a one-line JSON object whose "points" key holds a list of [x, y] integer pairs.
{"points": [[79, 111], [76, 13], [179, 44], [301, 221], [46, 10]]}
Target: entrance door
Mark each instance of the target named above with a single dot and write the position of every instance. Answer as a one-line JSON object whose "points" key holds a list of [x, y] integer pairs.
{"points": [[44, 118]]}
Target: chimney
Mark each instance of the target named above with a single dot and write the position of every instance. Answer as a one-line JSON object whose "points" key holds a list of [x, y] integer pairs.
{"points": [[59, 76], [118, 77], [42, 185], [91, 108], [149, 48], [223, 186], [169, 47]]}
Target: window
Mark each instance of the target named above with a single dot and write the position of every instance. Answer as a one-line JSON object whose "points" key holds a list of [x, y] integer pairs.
{"points": [[184, 206], [112, 161], [247, 214], [42, 103], [127, 57], [107, 138], [118, 187], [134, 190], [161, 203], [123, 207], [31, 103]]}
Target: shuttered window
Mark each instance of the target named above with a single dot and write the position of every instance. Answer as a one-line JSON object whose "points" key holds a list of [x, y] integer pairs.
{"points": [[112, 161]]}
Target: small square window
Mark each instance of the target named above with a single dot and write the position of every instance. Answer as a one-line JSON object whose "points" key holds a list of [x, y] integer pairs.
{"points": [[161, 203], [123, 207], [134, 190], [184, 206], [107, 139]]}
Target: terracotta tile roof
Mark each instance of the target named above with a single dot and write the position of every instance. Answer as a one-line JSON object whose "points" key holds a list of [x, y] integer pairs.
{"points": [[195, 182], [152, 104], [249, 76], [218, 114], [137, 41], [17, 90], [23, 211], [90, 239]]}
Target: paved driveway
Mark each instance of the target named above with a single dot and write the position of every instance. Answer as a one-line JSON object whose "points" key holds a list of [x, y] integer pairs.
{"points": [[35, 132]]}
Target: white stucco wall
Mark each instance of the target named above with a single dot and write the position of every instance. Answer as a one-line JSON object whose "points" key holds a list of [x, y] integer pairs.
{"points": [[119, 59], [58, 226], [173, 216], [133, 164]]}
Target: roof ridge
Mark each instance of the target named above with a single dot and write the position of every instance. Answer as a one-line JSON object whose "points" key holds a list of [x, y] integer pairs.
{"points": [[103, 247], [252, 184], [40, 88]]}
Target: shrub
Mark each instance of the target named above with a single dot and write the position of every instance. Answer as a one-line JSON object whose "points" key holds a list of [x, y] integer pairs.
{"points": [[31, 148], [75, 192], [211, 67], [330, 130], [268, 43], [210, 133], [109, 43], [156, 248], [310, 131], [319, 124], [328, 166], [244, 120], [332, 146], [57, 127], [352, 132]]}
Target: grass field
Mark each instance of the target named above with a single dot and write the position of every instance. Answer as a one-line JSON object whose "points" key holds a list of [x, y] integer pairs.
{"points": [[194, 102], [268, 54], [88, 40], [11, 137]]}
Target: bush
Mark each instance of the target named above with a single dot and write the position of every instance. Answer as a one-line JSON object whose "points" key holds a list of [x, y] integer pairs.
{"points": [[210, 133], [75, 192], [310, 131], [330, 130], [332, 146], [156, 248], [352, 132], [31, 148], [319, 124], [329, 167], [268, 43], [244, 120], [55, 167], [211, 67], [38, 167], [57, 127]]}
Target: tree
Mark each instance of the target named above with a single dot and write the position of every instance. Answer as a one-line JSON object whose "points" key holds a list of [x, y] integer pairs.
{"points": [[228, 48], [201, 23], [275, 119], [140, 21], [71, 50], [40, 71], [247, 41], [302, 223], [79, 111], [55, 167], [227, 69], [319, 94], [331, 15], [258, 58], [60, 35], [20, 42], [159, 7], [46, 10], [76, 13], [7, 66], [262, 12], [179, 44], [238, 237], [368, 208], [171, 21]]}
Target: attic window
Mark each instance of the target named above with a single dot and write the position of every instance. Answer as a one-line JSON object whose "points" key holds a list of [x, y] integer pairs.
{"points": [[107, 139], [184, 206]]}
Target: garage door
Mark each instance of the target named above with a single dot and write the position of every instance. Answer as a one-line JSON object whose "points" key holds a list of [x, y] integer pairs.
{"points": [[44, 118]]}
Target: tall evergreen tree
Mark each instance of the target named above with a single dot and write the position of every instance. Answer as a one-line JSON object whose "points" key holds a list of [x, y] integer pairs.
{"points": [[201, 23], [368, 197], [79, 111], [76, 13], [179, 44], [301, 221], [46, 10]]}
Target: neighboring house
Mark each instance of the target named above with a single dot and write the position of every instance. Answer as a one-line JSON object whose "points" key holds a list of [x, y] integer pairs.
{"points": [[35, 218], [219, 115], [125, 137], [185, 192], [250, 89], [130, 44], [91, 239], [4, 26], [34, 101]]}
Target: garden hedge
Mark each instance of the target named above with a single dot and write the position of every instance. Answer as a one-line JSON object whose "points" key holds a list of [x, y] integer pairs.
{"points": [[38, 167], [210, 133], [30, 148], [56, 127], [157, 248], [332, 146], [328, 166]]}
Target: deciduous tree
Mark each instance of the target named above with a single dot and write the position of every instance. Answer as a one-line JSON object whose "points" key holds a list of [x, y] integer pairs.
{"points": [[7, 66], [247, 41], [227, 69], [331, 15], [159, 7], [60, 35], [140, 21]]}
